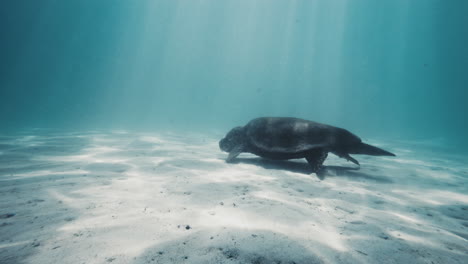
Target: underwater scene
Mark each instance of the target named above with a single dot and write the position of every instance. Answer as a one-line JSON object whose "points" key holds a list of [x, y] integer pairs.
{"points": [[233, 131]]}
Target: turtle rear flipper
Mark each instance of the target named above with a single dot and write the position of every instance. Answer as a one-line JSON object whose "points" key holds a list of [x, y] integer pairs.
{"points": [[346, 156], [349, 158]]}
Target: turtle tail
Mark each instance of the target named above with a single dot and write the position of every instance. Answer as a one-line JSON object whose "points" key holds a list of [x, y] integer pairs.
{"points": [[363, 148]]}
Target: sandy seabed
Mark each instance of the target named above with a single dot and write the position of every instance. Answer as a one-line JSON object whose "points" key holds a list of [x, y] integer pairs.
{"points": [[122, 197]]}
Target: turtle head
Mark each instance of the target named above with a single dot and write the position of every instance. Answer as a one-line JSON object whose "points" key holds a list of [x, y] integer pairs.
{"points": [[234, 138]]}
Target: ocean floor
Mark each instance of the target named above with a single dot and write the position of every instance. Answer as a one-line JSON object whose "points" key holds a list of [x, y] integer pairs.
{"points": [[123, 197]]}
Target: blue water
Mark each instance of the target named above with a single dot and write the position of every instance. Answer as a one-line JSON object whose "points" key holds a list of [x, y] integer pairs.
{"points": [[382, 69], [111, 112]]}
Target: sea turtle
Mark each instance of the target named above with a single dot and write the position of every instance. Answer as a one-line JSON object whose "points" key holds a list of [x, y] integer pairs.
{"points": [[283, 138]]}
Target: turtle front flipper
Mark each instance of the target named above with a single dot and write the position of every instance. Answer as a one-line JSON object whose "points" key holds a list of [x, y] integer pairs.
{"points": [[315, 158], [235, 152]]}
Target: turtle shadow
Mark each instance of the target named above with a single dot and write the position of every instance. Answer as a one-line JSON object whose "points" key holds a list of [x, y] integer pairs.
{"points": [[293, 166], [354, 173], [304, 168]]}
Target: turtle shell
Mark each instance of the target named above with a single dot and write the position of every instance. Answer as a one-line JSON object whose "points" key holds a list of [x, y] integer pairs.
{"points": [[289, 135]]}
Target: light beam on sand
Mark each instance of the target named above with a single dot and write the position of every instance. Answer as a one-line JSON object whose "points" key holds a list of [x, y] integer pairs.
{"points": [[405, 218], [232, 218], [50, 173], [413, 239], [20, 243]]}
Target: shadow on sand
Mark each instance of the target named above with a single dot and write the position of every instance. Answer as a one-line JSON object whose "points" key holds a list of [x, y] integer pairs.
{"points": [[304, 168], [230, 246]]}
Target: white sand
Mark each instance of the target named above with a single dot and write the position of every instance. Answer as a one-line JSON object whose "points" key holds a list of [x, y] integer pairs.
{"points": [[171, 198]]}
